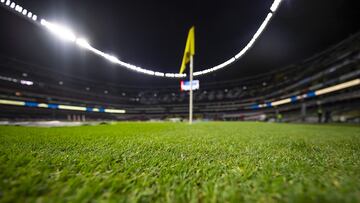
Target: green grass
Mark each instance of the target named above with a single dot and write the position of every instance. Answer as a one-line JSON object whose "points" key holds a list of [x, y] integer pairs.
{"points": [[175, 162]]}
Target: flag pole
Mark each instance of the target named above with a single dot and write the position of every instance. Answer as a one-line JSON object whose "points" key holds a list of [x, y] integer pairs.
{"points": [[191, 90]]}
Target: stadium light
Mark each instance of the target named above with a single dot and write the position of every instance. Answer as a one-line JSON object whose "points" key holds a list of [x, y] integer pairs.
{"points": [[170, 75], [242, 52], [61, 31], [18, 8], [159, 74], [83, 43], [111, 58], [263, 26], [254, 38], [66, 34], [275, 5]]}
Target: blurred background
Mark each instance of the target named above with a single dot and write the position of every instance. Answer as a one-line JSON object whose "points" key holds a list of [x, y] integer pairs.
{"points": [[305, 67]]}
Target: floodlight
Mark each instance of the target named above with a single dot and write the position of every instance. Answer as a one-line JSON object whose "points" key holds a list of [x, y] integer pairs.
{"points": [[18, 8], [170, 75], [159, 74], [60, 31], [111, 58], [275, 5], [67, 34], [263, 25], [83, 43]]}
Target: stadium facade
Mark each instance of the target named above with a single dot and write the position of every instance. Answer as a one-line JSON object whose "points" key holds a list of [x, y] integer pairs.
{"points": [[32, 92]]}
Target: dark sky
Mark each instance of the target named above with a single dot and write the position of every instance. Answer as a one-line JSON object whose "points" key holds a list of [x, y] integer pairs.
{"points": [[152, 34]]}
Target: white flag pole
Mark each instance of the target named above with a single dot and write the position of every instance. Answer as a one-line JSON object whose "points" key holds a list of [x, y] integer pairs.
{"points": [[191, 90]]}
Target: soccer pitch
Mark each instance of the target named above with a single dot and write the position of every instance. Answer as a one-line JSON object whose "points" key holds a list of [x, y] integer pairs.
{"points": [[175, 162]]}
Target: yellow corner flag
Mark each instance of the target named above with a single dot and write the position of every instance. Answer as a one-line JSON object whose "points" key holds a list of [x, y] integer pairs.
{"points": [[189, 49]]}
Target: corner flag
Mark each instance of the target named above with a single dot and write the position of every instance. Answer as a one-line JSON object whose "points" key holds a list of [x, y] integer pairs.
{"points": [[189, 49]]}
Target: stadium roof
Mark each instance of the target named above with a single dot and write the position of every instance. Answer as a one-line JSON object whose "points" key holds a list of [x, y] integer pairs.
{"points": [[152, 34]]}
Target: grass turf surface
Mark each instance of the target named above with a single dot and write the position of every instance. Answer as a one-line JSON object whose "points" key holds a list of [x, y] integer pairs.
{"points": [[174, 162]]}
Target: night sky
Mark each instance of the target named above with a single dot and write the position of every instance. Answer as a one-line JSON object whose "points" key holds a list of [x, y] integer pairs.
{"points": [[152, 34]]}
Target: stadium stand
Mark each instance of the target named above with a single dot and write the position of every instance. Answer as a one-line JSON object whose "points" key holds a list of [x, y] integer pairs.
{"points": [[224, 100]]}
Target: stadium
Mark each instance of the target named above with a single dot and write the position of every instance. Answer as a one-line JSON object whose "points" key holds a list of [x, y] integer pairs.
{"points": [[276, 119]]}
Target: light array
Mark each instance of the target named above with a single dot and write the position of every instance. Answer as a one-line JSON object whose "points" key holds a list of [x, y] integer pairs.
{"points": [[19, 9], [310, 94], [260, 30], [67, 34], [60, 106], [60, 31]]}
